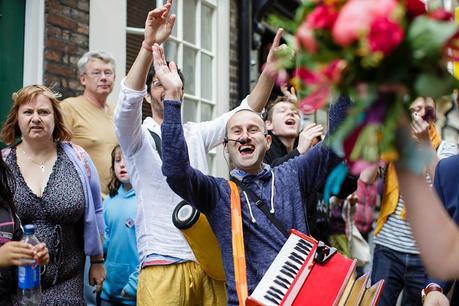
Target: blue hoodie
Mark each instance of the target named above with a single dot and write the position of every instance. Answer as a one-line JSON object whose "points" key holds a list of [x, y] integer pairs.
{"points": [[293, 182], [120, 247]]}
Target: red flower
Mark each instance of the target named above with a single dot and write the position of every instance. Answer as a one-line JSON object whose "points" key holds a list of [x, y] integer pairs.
{"points": [[305, 37], [334, 71], [385, 35], [415, 7], [441, 15], [315, 100], [322, 17], [307, 76]]}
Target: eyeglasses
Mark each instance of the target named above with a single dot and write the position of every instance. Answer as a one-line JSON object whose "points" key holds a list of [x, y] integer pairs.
{"points": [[98, 73]]}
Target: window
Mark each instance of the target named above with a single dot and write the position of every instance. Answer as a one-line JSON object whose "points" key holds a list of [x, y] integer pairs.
{"points": [[194, 46]]}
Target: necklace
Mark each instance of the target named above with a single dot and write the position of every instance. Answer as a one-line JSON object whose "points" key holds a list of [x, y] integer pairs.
{"points": [[40, 164]]}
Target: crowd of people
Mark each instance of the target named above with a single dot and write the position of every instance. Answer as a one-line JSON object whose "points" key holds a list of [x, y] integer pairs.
{"points": [[101, 185]]}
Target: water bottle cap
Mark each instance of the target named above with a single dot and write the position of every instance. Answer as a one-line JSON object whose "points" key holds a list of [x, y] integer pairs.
{"points": [[29, 229]]}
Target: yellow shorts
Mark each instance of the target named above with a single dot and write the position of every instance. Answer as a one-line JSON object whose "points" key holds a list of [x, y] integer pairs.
{"points": [[179, 284]]}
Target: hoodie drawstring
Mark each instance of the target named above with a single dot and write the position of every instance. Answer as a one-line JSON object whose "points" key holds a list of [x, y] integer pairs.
{"points": [[272, 193], [250, 208]]}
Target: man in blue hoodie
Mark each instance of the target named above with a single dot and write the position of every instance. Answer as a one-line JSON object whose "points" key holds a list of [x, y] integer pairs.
{"points": [[283, 188]]}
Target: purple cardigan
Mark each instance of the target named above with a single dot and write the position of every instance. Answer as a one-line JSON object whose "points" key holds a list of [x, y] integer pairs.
{"points": [[93, 212]]}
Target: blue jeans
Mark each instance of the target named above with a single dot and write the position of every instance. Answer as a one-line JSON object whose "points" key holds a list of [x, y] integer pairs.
{"points": [[400, 271]]}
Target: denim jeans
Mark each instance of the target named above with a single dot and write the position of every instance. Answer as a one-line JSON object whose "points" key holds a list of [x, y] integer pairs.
{"points": [[400, 271]]}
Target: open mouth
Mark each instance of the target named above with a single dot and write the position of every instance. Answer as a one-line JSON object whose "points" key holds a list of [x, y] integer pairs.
{"points": [[290, 122], [246, 150]]}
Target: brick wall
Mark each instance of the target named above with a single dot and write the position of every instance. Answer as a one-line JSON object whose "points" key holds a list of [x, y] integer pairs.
{"points": [[234, 71], [66, 40]]}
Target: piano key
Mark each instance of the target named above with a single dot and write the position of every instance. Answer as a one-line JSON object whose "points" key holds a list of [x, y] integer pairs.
{"points": [[301, 250], [277, 291], [291, 265], [285, 272], [295, 259], [271, 299], [289, 269], [285, 281], [281, 283], [275, 296], [302, 258]]}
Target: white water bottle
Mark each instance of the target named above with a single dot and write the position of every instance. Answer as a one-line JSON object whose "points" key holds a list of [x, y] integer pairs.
{"points": [[29, 290]]}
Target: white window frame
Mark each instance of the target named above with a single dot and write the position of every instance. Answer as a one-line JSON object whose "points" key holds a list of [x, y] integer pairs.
{"points": [[34, 32]]}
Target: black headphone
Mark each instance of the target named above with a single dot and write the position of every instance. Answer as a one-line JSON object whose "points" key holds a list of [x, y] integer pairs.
{"points": [[241, 141]]}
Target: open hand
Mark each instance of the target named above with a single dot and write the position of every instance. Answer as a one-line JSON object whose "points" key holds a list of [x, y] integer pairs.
{"points": [[420, 128], [167, 75], [159, 24], [307, 136], [290, 94]]}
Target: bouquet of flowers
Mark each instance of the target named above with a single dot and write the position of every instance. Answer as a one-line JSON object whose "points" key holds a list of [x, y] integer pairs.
{"points": [[383, 53]]}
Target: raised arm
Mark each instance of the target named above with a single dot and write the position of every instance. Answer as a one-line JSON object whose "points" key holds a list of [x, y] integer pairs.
{"points": [[262, 90], [158, 28], [437, 236]]}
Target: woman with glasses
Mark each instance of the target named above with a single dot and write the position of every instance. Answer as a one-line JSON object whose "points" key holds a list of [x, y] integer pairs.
{"points": [[57, 189]]}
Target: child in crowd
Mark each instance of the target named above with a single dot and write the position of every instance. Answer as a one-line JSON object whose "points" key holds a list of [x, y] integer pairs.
{"points": [[120, 247]]}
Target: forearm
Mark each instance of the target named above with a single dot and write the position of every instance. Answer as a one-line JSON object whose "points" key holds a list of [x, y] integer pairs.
{"points": [[436, 234], [261, 92], [137, 75]]}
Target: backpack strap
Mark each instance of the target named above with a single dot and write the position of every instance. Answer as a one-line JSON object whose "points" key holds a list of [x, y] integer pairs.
{"points": [[240, 267]]}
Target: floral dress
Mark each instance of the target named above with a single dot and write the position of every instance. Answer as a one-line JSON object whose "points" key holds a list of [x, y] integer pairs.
{"points": [[58, 217]]}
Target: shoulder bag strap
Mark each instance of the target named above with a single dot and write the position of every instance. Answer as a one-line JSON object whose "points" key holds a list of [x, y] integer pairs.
{"points": [[157, 140], [240, 268], [261, 205]]}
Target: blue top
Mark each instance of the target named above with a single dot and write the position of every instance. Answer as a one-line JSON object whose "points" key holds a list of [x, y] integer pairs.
{"points": [[293, 182], [120, 247], [446, 186]]}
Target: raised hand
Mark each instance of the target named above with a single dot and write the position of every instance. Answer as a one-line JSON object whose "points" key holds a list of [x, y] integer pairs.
{"points": [[12, 252], [167, 75], [307, 136], [159, 24], [420, 128], [290, 94], [271, 66]]}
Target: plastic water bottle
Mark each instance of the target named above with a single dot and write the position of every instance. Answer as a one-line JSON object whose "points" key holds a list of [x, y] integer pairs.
{"points": [[29, 291]]}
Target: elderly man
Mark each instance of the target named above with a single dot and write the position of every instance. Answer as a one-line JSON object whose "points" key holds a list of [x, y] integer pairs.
{"points": [[283, 188], [90, 116]]}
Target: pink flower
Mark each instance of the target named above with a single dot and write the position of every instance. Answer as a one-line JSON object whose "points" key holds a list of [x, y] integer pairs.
{"points": [[385, 35], [334, 71], [307, 76], [305, 38], [315, 100], [356, 17], [322, 17], [441, 15], [415, 7]]}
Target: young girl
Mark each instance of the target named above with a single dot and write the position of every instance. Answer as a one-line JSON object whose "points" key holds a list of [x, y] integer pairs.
{"points": [[120, 245], [12, 251]]}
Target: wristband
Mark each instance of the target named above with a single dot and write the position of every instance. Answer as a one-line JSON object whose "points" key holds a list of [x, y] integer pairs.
{"points": [[97, 261], [146, 46]]}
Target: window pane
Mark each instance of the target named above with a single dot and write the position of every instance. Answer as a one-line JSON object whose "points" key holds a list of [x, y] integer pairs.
{"points": [[206, 111], [137, 11], [189, 110], [174, 11], [206, 76], [189, 66], [170, 50], [133, 43], [206, 27], [189, 20]]}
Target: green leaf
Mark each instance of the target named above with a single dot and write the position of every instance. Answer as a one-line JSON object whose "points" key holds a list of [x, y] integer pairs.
{"points": [[435, 86], [427, 37]]}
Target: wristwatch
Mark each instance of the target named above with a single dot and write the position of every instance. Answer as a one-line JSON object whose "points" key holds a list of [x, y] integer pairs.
{"points": [[429, 288]]}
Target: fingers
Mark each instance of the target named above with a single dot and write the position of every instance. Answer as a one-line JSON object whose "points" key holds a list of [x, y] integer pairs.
{"points": [[277, 38], [173, 67], [158, 56]]}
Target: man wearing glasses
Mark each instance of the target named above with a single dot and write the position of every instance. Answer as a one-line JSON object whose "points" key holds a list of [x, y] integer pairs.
{"points": [[89, 116]]}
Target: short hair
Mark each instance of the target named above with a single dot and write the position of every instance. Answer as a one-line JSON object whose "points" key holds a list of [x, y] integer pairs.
{"points": [[152, 73], [10, 131], [90, 55], [245, 110], [268, 113]]}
